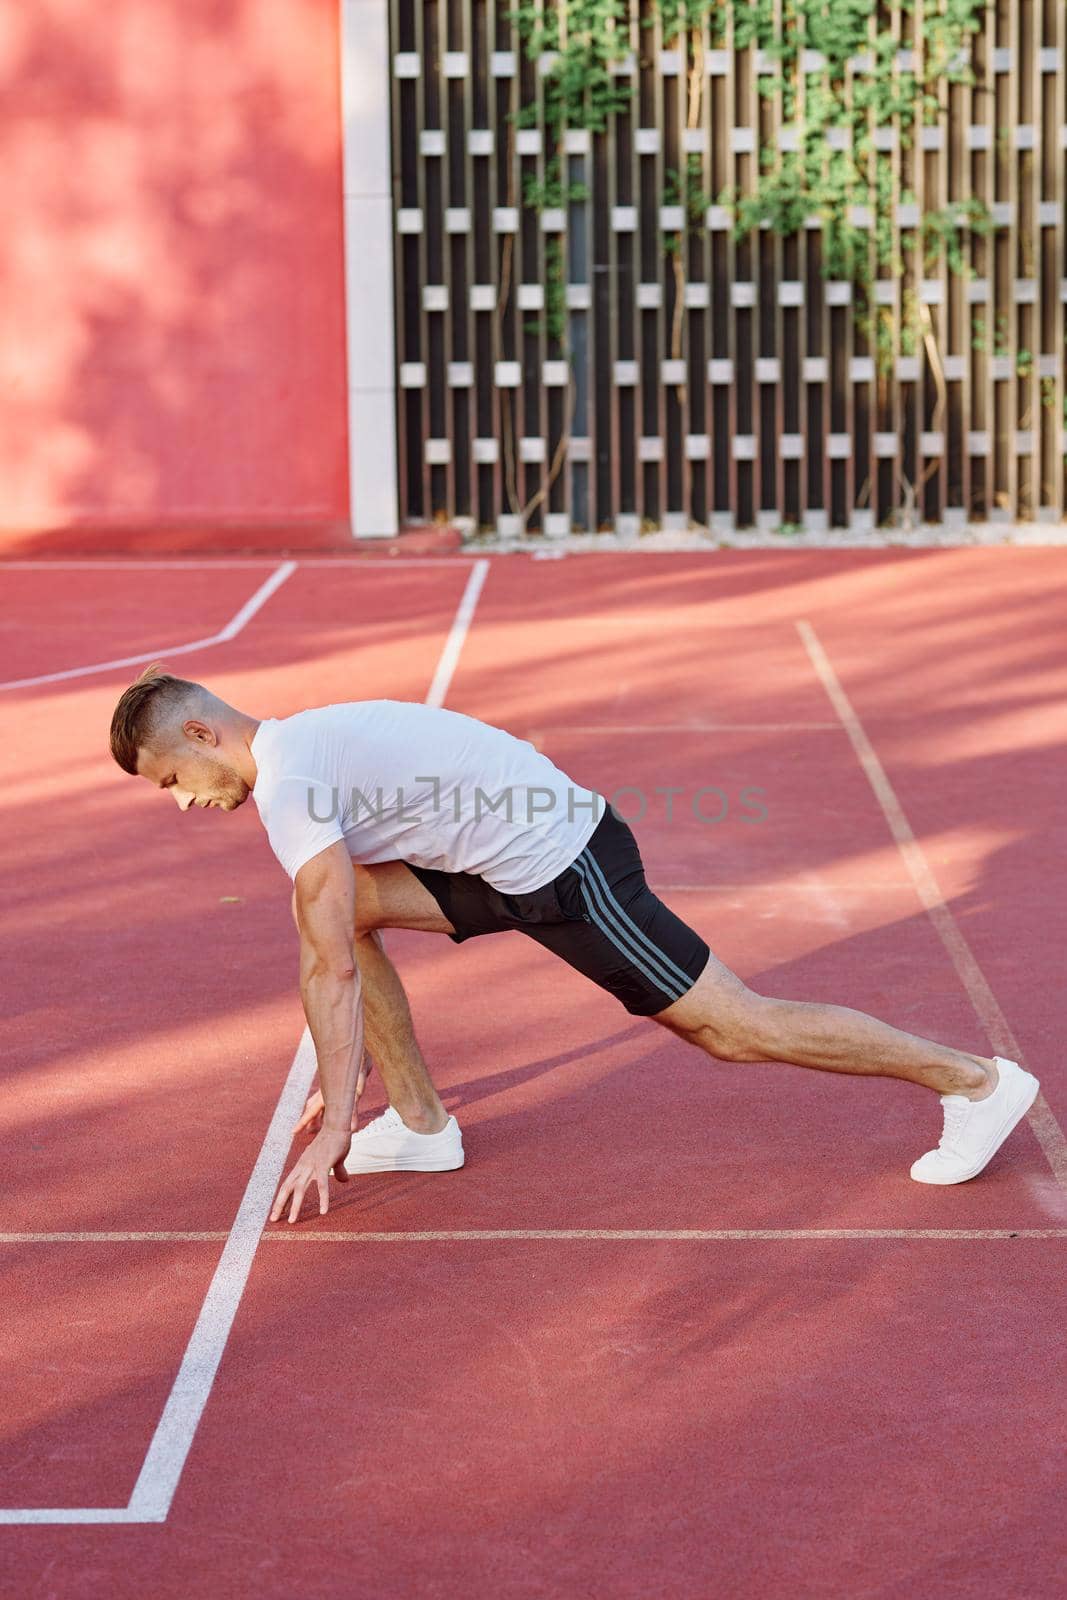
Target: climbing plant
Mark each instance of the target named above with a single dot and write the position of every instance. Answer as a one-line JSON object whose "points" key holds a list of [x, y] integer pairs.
{"points": [[822, 96], [833, 164]]}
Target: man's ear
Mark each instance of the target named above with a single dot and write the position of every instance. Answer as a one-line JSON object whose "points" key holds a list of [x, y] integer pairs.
{"points": [[200, 731]]}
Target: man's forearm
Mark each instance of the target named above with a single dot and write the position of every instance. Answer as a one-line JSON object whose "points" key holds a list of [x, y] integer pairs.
{"points": [[333, 1006]]}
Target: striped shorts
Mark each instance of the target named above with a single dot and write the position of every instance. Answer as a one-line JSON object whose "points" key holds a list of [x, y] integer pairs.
{"points": [[598, 914]]}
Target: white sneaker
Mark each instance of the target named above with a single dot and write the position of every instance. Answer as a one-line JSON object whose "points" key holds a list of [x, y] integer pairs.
{"points": [[388, 1145], [976, 1129]]}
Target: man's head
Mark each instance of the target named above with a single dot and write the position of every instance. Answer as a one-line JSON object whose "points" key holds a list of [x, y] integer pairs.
{"points": [[183, 738]]}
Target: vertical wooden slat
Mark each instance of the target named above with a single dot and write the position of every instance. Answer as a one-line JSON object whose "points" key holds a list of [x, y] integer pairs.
{"points": [[857, 468], [422, 343], [462, 265], [404, 164], [736, 254], [612, 348], [721, 317], [887, 409], [955, 319], [628, 403], [653, 319], [1003, 240], [1057, 129], [699, 252], [479, 323], [978, 477], [768, 339], [1010, 263], [435, 180]]}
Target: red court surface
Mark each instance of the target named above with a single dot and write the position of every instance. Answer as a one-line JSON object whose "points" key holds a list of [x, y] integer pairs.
{"points": [[679, 1328]]}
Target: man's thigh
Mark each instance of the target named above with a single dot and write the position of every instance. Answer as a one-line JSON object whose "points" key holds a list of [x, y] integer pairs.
{"points": [[388, 895], [716, 1000]]}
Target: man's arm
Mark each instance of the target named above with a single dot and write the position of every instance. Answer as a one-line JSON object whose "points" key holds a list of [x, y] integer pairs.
{"points": [[333, 1004]]}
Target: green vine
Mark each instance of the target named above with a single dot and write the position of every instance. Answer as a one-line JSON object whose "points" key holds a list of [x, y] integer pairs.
{"points": [[582, 39], [827, 182], [578, 42]]}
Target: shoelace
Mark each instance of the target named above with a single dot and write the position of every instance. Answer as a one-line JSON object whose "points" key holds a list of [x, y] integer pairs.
{"points": [[955, 1117], [388, 1119]]}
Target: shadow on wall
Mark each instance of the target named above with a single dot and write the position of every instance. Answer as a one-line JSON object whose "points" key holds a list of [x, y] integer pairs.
{"points": [[172, 275]]}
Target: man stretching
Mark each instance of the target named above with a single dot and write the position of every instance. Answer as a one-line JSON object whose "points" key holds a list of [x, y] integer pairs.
{"points": [[391, 814]]}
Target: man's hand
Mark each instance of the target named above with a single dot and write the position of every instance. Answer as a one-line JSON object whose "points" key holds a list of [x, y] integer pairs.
{"points": [[324, 1154], [311, 1116]]}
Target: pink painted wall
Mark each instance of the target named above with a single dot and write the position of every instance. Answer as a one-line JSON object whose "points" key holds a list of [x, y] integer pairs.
{"points": [[172, 359]]}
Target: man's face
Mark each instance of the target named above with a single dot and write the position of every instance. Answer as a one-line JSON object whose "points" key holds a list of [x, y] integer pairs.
{"points": [[194, 776]]}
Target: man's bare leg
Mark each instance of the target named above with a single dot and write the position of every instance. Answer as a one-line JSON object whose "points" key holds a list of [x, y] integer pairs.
{"points": [[388, 895], [390, 1039], [728, 1020]]}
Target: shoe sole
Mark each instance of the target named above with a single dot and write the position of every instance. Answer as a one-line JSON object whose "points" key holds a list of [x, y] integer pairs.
{"points": [[1017, 1115], [410, 1164]]}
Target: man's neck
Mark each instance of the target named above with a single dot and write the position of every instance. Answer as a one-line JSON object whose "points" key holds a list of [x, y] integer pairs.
{"points": [[246, 730]]}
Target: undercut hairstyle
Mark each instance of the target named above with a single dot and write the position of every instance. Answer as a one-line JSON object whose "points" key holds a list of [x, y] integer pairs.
{"points": [[143, 710]]}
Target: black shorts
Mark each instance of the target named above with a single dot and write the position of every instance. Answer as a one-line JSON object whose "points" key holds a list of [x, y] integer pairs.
{"points": [[599, 914]]}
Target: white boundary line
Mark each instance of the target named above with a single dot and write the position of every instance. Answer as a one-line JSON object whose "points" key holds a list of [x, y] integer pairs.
{"points": [[698, 727], [176, 1429], [997, 1028], [171, 1442], [435, 694], [210, 563], [444, 1235], [102, 1236], [711, 1235], [268, 587], [786, 883]]}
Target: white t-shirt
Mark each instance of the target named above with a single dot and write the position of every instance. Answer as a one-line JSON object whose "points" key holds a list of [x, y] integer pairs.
{"points": [[400, 781]]}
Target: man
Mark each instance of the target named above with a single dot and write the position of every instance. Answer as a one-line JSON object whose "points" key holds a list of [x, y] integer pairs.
{"points": [[389, 814]]}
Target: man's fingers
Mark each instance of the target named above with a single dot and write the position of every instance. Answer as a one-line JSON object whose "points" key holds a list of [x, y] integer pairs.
{"points": [[298, 1199], [279, 1205], [339, 1172], [313, 1107]]}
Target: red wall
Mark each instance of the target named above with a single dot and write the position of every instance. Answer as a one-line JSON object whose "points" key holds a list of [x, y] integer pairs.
{"points": [[172, 362]]}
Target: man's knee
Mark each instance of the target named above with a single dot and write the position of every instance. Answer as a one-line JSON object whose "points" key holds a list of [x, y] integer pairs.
{"points": [[734, 1028], [367, 919]]}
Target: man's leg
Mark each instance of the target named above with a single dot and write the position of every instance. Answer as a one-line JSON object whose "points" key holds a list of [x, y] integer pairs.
{"points": [[390, 1038], [728, 1020], [389, 896]]}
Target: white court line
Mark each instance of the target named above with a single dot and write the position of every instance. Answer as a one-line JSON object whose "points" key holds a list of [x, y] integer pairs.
{"points": [[230, 631], [170, 1444], [320, 1236], [801, 888], [70, 1514], [995, 1023], [159, 1236], [158, 1478], [211, 564], [173, 1438], [652, 1234], [435, 694], [697, 727]]}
